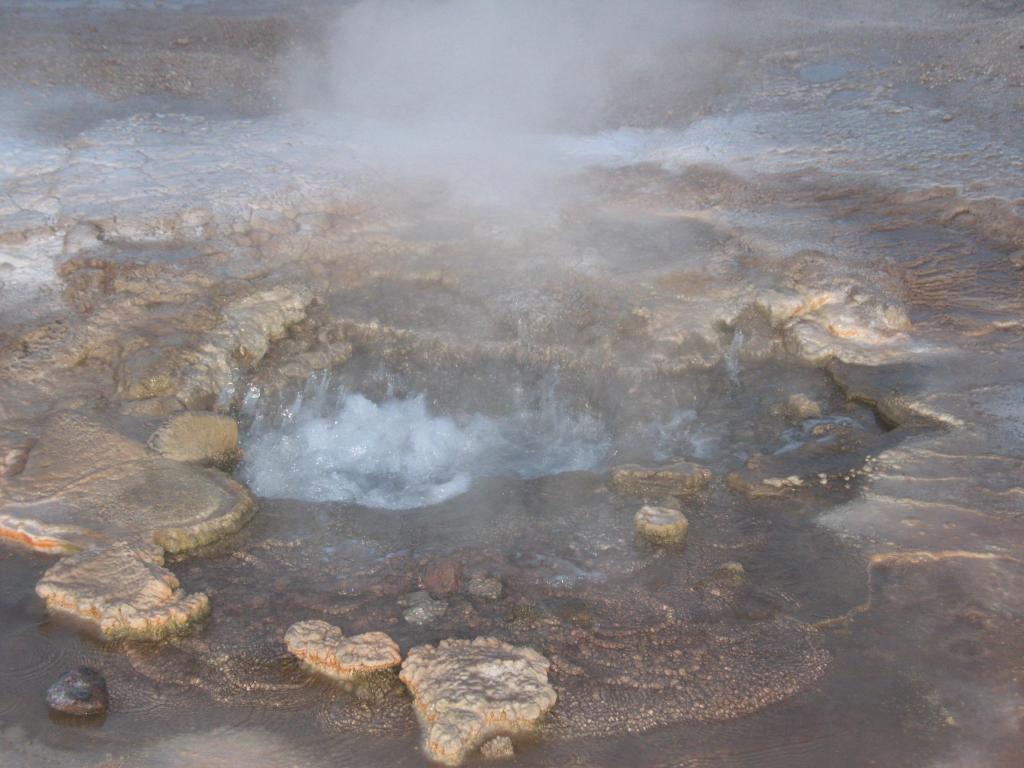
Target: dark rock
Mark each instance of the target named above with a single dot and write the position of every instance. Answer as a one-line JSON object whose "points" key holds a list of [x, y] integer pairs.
{"points": [[82, 691], [441, 577]]}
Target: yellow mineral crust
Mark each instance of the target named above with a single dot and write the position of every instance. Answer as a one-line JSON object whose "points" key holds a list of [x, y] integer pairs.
{"points": [[84, 484], [198, 438], [468, 691], [122, 588], [661, 524], [325, 648], [681, 478]]}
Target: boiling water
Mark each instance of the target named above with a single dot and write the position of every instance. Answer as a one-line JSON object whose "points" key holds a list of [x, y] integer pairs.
{"points": [[399, 453]]}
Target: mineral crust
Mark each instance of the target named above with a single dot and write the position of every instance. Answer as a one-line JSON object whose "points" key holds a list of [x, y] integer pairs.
{"points": [[468, 691], [325, 648]]}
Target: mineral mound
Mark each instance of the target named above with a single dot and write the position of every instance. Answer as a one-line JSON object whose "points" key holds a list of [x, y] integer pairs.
{"points": [[207, 439], [324, 647], [468, 691], [124, 589], [661, 524], [84, 483], [681, 478]]}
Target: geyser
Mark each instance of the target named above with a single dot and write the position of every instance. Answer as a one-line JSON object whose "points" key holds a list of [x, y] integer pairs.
{"points": [[399, 453]]}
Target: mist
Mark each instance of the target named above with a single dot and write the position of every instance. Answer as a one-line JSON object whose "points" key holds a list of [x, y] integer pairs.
{"points": [[488, 95], [525, 66]]}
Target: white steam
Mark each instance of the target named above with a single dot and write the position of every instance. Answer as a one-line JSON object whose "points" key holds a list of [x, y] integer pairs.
{"points": [[530, 65], [480, 93], [397, 454]]}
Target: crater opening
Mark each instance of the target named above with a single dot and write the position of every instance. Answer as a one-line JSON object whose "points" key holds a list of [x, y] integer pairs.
{"points": [[402, 451]]}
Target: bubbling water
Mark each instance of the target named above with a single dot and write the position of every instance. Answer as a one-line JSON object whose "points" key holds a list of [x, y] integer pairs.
{"points": [[398, 454]]}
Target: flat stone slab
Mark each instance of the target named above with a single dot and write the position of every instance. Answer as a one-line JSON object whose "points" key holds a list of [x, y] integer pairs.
{"points": [[123, 589], [84, 484], [325, 648], [681, 478], [468, 691]]}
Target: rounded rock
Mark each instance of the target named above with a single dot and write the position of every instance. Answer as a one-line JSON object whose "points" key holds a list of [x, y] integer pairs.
{"points": [[441, 577], [662, 524], [800, 407], [81, 691], [208, 439]]}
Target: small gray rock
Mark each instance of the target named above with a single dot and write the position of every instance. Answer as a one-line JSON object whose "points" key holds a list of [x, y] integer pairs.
{"points": [[414, 598], [425, 611], [486, 587], [82, 691], [498, 748]]}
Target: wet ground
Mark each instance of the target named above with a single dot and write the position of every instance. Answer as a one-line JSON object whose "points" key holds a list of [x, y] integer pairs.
{"points": [[828, 205]]}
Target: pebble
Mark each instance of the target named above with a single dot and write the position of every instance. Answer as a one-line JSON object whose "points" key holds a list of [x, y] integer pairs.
{"points": [[486, 587], [441, 577], [423, 608], [81, 691]]}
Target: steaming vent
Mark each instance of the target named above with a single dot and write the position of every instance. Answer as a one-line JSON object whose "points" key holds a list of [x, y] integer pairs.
{"points": [[400, 452]]}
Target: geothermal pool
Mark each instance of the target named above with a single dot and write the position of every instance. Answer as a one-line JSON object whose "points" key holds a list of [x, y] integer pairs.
{"points": [[399, 317]]}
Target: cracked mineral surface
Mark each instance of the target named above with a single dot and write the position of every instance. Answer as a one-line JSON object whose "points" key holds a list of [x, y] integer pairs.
{"points": [[123, 589], [773, 286], [326, 649], [83, 483], [469, 690]]}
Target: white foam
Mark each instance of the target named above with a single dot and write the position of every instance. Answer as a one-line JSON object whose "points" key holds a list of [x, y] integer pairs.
{"points": [[397, 454]]}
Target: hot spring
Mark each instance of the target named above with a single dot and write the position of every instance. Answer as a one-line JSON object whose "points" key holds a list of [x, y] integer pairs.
{"points": [[399, 453], [601, 383]]}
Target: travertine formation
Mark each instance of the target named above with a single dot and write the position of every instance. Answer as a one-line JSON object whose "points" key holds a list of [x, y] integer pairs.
{"points": [[469, 690], [148, 265], [208, 439], [681, 478], [661, 524], [84, 483], [242, 337], [123, 589], [324, 647]]}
